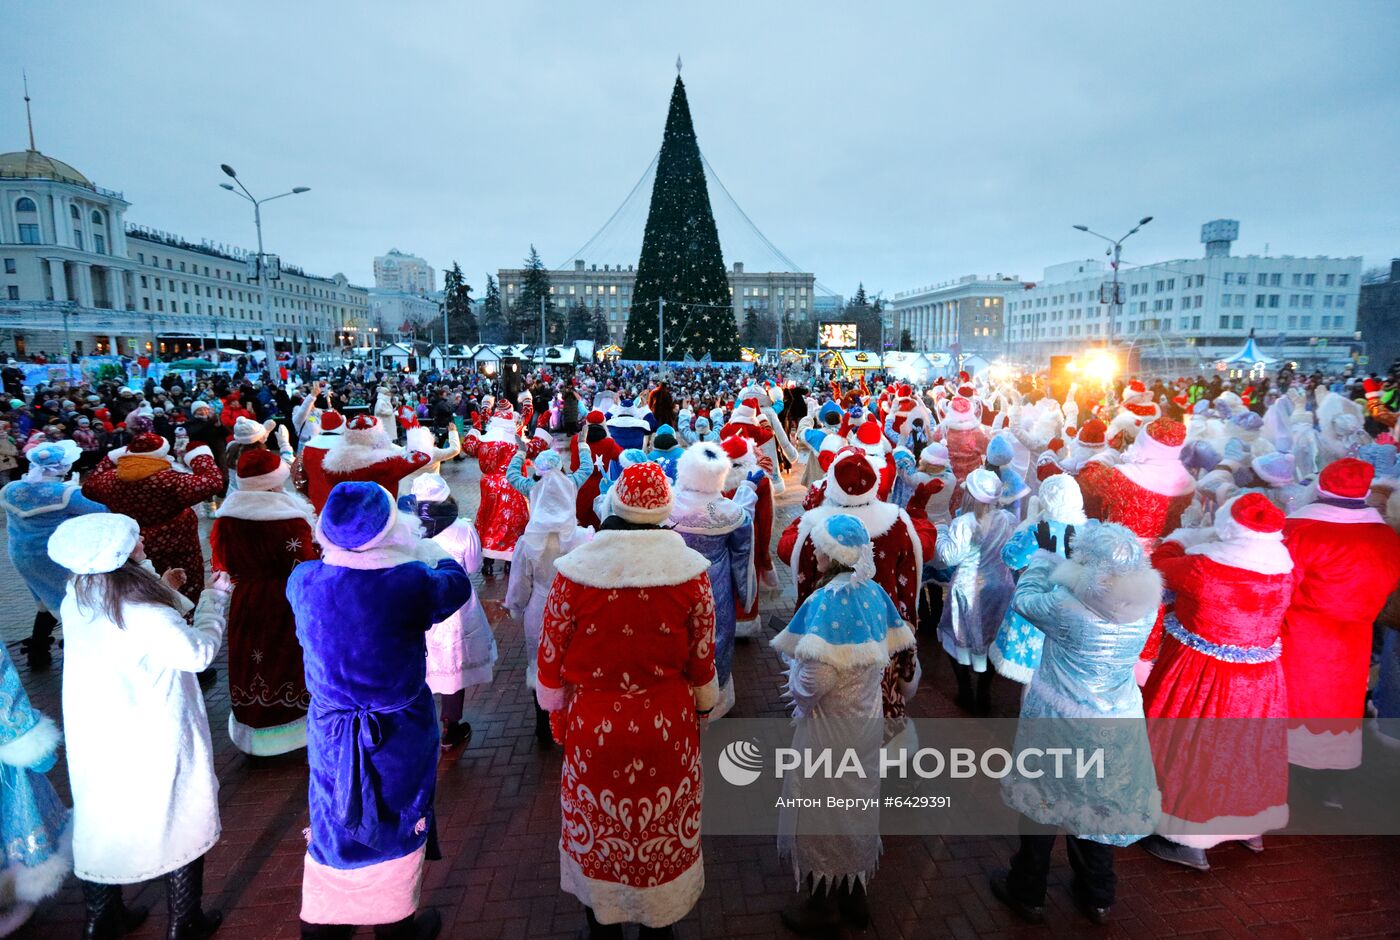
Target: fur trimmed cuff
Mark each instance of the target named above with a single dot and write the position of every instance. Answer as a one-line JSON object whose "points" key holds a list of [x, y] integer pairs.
{"points": [[32, 747], [551, 700], [199, 450]]}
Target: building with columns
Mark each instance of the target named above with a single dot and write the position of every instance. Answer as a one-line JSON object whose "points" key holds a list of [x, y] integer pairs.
{"points": [[75, 275], [969, 311]]}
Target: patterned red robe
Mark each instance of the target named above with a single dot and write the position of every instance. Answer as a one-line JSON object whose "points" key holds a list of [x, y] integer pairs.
{"points": [[503, 512], [266, 677], [161, 502], [626, 660]]}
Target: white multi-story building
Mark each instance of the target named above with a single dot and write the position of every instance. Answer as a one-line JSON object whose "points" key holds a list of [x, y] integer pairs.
{"points": [[405, 274], [969, 312], [400, 313], [74, 273], [610, 289], [1183, 315]]}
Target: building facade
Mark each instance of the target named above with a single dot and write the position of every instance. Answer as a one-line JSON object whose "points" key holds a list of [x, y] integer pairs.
{"points": [[1183, 315], [1378, 319], [610, 289], [397, 272], [75, 275], [397, 314], [969, 312]]}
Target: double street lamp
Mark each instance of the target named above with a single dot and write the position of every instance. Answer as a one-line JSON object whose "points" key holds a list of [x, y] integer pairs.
{"points": [[264, 281], [1115, 299]]}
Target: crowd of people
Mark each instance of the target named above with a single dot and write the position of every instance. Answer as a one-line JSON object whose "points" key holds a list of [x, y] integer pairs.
{"points": [[1158, 556]]}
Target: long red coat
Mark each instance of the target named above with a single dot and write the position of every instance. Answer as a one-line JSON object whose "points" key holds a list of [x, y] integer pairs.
{"points": [[1217, 725], [503, 512], [161, 502], [266, 677], [1348, 562], [626, 660]]}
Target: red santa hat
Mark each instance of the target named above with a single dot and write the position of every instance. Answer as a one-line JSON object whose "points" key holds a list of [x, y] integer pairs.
{"points": [[962, 414], [1092, 433], [642, 494], [261, 469], [1136, 392], [1167, 432], [851, 480], [964, 377], [1372, 387], [1251, 516], [332, 422], [365, 431], [1047, 466], [595, 417], [869, 436], [503, 410], [737, 447], [149, 445], [1348, 478], [746, 412]]}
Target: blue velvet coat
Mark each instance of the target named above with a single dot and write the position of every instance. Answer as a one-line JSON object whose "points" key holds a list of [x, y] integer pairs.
{"points": [[371, 733]]}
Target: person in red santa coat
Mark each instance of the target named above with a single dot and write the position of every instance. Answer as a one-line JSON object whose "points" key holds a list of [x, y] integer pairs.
{"points": [[604, 450], [260, 534], [366, 454], [141, 481], [1146, 491], [626, 668], [1138, 410], [902, 540], [1215, 701], [503, 512], [1348, 563], [757, 500], [746, 419], [308, 474]]}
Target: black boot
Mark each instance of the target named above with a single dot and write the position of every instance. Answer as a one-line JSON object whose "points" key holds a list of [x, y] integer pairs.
{"points": [[107, 917], [963, 674], [425, 925], [455, 735], [507, 571], [597, 931], [812, 913], [326, 931], [983, 703], [542, 731], [853, 904], [184, 892], [488, 568], [656, 933], [38, 648]]}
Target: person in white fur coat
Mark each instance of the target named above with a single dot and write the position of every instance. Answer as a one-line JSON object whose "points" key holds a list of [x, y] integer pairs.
{"points": [[140, 759], [779, 440]]}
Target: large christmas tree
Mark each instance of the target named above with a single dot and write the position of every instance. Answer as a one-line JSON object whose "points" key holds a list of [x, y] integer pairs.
{"points": [[681, 260]]}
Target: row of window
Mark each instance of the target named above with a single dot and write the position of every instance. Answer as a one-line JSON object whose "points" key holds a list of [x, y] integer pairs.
{"points": [[1275, 279]]}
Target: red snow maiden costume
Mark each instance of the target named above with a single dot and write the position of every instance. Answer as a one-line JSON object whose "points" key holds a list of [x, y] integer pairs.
{"points": [[1348, 563], [1215, 702], [604, 450], [367, 455], [1147, 491], [262, 532], [901, 544], [142, 482], [503, 512], [626, 663]]}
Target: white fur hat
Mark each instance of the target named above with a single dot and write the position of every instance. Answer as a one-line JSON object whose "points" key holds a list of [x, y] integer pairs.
{"points": [[94, 543], [702, 467], [246, 431], [983, 485], [430, 488]]}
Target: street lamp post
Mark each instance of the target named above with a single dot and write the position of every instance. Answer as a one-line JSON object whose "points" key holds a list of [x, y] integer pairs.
{"points": [[264, 282], [1115, 300]]}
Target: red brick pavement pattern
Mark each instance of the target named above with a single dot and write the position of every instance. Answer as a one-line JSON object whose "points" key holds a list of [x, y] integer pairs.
{"points": [[498, 819]]}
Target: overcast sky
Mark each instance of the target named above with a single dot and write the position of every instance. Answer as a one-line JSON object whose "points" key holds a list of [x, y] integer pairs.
{"points": [[897, 144]]}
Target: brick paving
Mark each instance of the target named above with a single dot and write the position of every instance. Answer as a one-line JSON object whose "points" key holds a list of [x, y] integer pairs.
{"points": [[498, 821]]}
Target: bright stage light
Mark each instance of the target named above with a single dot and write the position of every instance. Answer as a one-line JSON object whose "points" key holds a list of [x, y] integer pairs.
{"points": [[1097, 365]]}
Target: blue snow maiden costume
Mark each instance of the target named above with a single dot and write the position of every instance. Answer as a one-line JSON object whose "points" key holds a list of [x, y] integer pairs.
{"points": [[629, 423], [34, 507], [362, 613], [722, 530], [665, 450]]}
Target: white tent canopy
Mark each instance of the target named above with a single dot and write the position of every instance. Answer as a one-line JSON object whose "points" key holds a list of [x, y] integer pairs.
{"points": [[1249, 355]]}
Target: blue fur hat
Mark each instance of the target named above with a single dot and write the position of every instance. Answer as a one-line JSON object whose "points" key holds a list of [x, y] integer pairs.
{"points": [[1199, 455], [999, 451], [829, 413], [358, 515]]}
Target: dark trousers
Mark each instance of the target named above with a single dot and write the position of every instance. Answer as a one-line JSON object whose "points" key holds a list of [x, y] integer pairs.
{"points": [[1094, 880], [450, 712]]}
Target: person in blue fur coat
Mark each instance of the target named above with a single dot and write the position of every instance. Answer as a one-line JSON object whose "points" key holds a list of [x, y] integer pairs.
{"points": [[665, 450], [34, 507], [362, 615], [630, 423]]}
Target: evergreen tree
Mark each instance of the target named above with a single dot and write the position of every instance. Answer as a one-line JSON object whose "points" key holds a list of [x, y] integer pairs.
{"points": [[580, 322], [493, 321], [523, 318], [866, 316], [602, 336], [750, 338], [457, 298], [906, 341], [681, 259]]}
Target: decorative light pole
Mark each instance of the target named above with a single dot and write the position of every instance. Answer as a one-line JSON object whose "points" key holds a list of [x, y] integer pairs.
{"points": [[264, 276], [1114, 299]]}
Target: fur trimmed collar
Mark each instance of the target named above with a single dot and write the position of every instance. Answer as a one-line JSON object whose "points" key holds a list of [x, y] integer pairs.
{"points": [[1323, 512], [1125, 598], [1261, 556], [637, 559], [878, 517], [347, 458], [402, 546], [265, 506], [325, 440]]}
